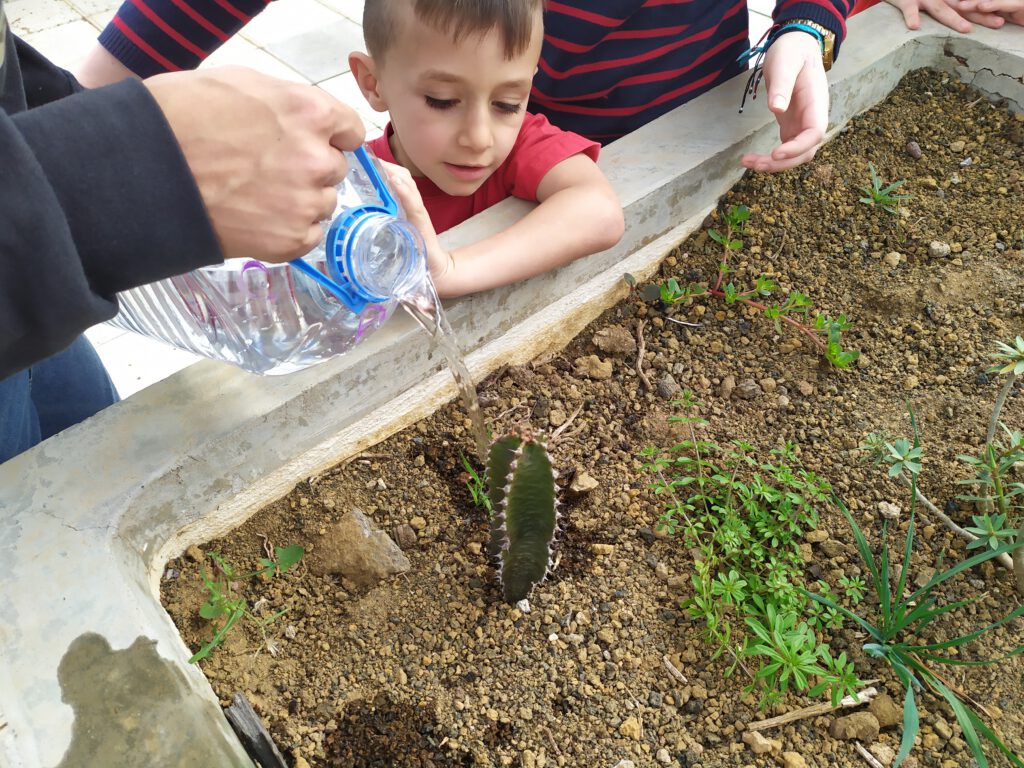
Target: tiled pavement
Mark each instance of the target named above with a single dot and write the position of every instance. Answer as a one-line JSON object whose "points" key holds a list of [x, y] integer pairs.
{"points": [[302, 40]]}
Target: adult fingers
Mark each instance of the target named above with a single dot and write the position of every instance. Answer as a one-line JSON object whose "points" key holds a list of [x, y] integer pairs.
{"points": [[945, 14]]}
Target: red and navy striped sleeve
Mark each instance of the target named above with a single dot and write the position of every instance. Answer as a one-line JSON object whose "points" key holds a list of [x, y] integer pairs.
{"points": [[608, 68], [154, 36]]}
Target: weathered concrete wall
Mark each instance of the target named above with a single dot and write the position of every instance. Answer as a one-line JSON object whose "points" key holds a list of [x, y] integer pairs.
{"points": [[88, 519]]}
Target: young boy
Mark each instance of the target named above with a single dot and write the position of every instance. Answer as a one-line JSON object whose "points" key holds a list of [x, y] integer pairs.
{"points": [[456, 78]]}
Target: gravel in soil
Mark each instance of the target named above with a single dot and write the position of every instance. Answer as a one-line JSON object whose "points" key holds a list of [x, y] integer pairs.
{"points": [[431, 668]]}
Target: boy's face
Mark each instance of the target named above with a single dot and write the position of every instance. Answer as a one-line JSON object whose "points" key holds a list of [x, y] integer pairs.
{"points": [[456, 108]]}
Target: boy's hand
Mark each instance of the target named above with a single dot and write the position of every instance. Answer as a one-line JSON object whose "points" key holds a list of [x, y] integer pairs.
{"points": [[439, 261]]}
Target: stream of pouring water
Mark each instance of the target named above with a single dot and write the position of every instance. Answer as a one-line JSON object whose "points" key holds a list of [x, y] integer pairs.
{"points": [[425, 308]]}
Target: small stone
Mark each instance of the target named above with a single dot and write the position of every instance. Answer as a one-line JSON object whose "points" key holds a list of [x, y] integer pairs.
{"points": [[888, 510], [593, 367], [924, 575], [195, 554], [405, 536], [556, 417], [892, 259], [631, 728], [663, 756], [883, 753], [938, 249], [615, 340], [886, 711], [727, 386], [928, 182], [956, 147], [816, 537], [862, 726], [911, 382], [582, 483], [805, 387], [602, 549], [668, 387], [758, 744], [418, 523], [942, 728], [748, 389], [625, 764], [793, 760], [914, 150]]}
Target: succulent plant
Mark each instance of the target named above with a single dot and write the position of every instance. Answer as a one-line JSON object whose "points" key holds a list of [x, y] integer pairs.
{"points": [[522, 492]]}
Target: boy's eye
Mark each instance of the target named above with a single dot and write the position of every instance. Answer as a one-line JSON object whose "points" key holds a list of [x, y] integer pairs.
{"points": [[439, 103], [507, 107]]}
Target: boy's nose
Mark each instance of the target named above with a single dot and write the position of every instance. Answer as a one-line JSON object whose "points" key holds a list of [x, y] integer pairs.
{"points": [[476, 130]]}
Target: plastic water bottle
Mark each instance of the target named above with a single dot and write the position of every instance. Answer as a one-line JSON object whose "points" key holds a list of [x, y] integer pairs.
{"points": [[279, 318]]}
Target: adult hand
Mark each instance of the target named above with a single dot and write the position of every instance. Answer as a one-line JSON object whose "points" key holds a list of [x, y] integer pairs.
{"points": [[955, 14], [265, 154], [798, 95]]}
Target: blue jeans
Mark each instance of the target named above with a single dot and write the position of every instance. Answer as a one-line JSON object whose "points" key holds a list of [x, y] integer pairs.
{"points": [[49, 397]]}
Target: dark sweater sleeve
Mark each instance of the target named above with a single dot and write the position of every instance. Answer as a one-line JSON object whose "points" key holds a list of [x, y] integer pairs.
{"points": [[166, 36], [831, 14], [95, 198]]}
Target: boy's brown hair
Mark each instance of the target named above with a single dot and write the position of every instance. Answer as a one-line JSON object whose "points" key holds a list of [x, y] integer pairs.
{"points": [[513, 18]]}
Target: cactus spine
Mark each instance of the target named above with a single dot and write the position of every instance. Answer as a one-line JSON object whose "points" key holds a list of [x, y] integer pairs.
{"points": [[522, 492]]}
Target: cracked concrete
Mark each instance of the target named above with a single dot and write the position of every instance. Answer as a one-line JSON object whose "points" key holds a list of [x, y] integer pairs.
{"points": [[89, 518]]}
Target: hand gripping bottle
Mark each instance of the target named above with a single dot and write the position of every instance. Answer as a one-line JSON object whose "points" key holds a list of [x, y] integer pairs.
{"points": [[279, 318]]}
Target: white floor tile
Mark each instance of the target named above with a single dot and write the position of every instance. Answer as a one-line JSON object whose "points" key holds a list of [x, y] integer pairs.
{"points": [[135, 362], [764, 7], [30, 16], [352, 9], [94, 7], [288, 18], [322, 52], [343, 87], [66, 45], [241, 52]]}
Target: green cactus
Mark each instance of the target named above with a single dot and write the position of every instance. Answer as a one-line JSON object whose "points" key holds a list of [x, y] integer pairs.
{"points": [[522, 492]]}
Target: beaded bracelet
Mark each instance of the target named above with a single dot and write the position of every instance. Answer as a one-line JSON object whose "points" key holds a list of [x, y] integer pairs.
{"points": [[757, 53]]}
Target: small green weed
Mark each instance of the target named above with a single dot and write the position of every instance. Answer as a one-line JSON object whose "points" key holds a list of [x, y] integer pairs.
{"points": [[745, 517], [225, 606], [476, 485], [882, 196], [898, 632], [824, 332]]}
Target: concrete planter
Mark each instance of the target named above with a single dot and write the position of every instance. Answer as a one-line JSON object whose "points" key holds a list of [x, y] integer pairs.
{"points": [[92, 671]]}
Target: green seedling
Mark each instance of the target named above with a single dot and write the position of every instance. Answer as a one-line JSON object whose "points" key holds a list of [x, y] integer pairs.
{"points": [[225, 607], [899, 633], [824, 332], [882, 196], [744, 514], [476, 485], [522, 494]]}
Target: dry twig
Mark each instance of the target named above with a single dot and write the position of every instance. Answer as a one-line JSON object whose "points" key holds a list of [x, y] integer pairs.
{"points": [[676, 674], [562, 428], [868, 757], [641, 348], [863, 697]]}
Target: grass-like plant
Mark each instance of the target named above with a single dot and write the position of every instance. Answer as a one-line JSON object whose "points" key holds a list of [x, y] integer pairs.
{"points": [[745, 516], [824, 332], [897, 634], [880, 195], [225, 607]]}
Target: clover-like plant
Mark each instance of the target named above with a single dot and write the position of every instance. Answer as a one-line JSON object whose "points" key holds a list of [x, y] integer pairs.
{"points": [[524, 517], [879, 195], [225, 607], [824, 332]]}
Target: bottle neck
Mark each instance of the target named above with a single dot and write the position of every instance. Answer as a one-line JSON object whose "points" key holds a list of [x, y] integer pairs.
{"points": [[384, 258]]}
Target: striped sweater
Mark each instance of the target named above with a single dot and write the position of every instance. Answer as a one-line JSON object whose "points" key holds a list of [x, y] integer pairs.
{"points": [[606, 68]]}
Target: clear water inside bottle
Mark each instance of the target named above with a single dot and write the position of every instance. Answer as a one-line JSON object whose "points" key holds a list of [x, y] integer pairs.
{"points": [[275, 319]]}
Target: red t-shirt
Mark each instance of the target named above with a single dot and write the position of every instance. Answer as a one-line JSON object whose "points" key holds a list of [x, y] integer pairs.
{"points": [[539, 148]]}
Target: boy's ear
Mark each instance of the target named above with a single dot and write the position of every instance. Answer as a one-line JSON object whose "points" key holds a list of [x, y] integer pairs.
{"points": [[364, 70]]}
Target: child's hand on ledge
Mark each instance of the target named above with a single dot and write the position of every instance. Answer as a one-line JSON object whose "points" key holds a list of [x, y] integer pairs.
{"points": [[439, 261]]}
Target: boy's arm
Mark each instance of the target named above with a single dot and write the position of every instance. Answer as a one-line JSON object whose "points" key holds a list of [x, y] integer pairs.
{"points": [[578, 214]]}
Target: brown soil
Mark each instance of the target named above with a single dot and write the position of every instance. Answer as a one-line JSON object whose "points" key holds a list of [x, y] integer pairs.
{"points": [[431, 668]]}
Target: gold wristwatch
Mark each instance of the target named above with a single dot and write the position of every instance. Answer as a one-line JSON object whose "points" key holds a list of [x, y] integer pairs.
{"points": [[828, 39]]}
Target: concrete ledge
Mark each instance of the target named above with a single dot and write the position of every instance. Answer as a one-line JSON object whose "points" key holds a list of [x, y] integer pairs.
{"points": [[89, 518]]}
